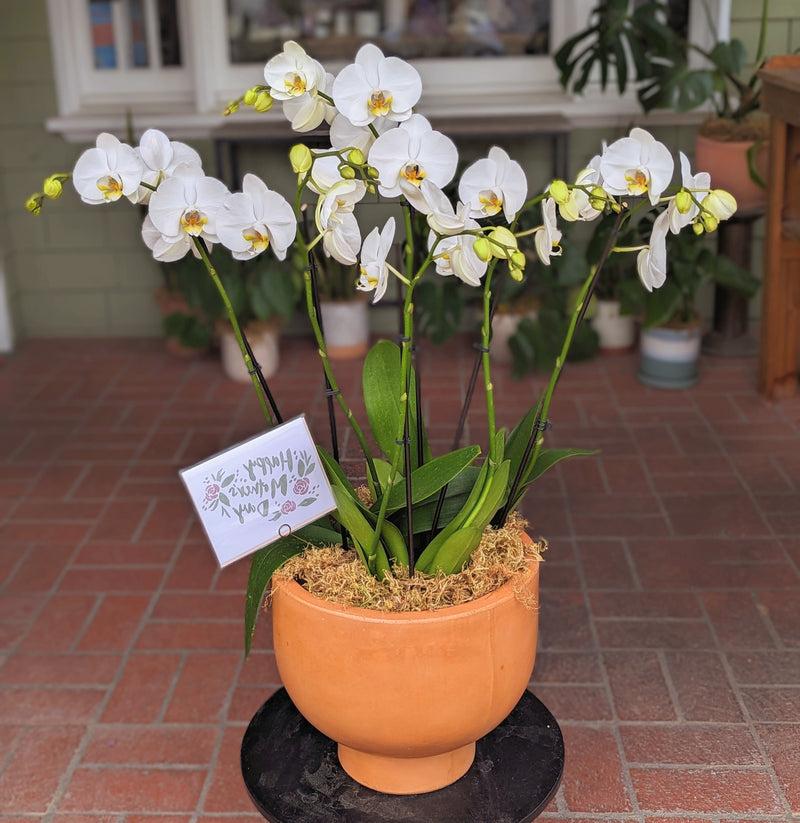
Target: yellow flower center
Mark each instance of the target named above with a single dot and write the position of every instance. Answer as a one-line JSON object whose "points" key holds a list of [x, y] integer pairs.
{"points": [[637, 180], [295, 84], [258, 242], [379, 103], [110, 187], [414, 174], [193, 222], [491, 202]]}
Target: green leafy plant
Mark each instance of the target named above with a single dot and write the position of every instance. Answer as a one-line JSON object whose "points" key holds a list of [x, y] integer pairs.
{"points": [[640, 43]]}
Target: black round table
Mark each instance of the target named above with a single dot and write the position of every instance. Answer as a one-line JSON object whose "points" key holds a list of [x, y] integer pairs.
{"points": [[293, 775]]}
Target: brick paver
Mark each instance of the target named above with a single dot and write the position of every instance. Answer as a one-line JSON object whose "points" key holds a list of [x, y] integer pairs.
{"points": [[670, 642]]}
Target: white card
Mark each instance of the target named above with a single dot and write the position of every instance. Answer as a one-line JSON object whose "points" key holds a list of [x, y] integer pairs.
{"points": [[250, 495]]}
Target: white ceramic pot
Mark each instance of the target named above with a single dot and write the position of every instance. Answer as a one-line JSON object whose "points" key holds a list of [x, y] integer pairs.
{"points": [[346, 326], [504, 326], [263, 339], [615, 330], [669, 357]]}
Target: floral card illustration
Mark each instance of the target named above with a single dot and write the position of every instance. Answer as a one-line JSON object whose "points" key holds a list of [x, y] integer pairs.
{"points": [[253, 493]]}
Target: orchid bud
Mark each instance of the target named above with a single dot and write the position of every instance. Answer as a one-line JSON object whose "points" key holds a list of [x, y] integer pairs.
{"points": [[34, 203], [300, 157], [347, 172], [720, 203], [52, 187], [372, 172], [559, 191], [516, 274], [356, 157], [231, 108], [482, 249], [710, 222], [263, 102], [597, 198], [502, 237], [518, 260], [697, 228], [250, 96], [683, 201]]}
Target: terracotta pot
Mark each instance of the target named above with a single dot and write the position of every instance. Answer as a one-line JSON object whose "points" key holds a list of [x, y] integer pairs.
{"points": [[405, 695], [504, 326], [263, 339], [346, 325], [726, 161], [616, 331]]}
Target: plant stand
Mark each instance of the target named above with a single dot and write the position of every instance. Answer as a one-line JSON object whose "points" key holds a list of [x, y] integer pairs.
{"points": [[729, 336], [293, 775]]}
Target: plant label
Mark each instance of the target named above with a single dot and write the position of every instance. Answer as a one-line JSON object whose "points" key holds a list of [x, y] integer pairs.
{"points": [[258, 491]]}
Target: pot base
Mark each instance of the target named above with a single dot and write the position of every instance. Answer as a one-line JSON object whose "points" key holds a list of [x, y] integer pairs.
{"points": [[406, 775]]}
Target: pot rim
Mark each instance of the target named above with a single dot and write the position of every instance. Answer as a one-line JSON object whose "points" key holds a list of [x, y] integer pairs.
{"points": [[739, 144], [487, 601]]}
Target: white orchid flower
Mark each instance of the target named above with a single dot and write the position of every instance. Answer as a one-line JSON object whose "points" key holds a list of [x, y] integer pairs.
{"points": [[108, 171], [344, 135], [168, 250], [307, 111], [455, 256], [492, 184], [442, 217], [292, 73], [374, 270], [341, 237], [409, 154], [579, 206], [325, 174], [636, 165], [161, 156], [187, 205], [255, 218], [720, 203], [651, 262], [376, 87], [701, 180], [547, 238]]}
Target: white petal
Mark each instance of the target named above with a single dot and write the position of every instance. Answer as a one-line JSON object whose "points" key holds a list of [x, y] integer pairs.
{"points": [[476, 178], [305, 112], [344, 135], [167, 205], [155, 150], [389, 153], [281, 222], [369, 249], [387, 238], [183, 154], [91, 166], [324, 174], [438, 156], [234, 217], [351, 93], [344, 242], [369, 57], [402, 80]]}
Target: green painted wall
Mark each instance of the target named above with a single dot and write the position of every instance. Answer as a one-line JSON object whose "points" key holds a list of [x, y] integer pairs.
{"points": [[77, 270]]}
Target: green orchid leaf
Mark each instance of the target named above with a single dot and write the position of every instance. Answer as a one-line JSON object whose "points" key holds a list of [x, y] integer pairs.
{"points": [[265, 562], [545, 461], [456, 550]]}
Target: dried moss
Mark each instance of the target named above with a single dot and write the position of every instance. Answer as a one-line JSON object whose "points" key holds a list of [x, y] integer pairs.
{"points": [[339, 576]]}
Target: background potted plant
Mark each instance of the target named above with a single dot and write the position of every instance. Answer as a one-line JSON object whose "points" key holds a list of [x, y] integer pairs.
{"points": [[345, 312], [642, 42], [671, 329]]}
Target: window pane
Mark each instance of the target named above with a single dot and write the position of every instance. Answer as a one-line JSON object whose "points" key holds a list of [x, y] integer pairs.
{"points": [[136, 12], [334, 29], [103, 44], [168, 32]]}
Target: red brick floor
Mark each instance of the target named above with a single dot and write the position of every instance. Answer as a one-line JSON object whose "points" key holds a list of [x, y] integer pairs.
{"points": [[670, 645]]}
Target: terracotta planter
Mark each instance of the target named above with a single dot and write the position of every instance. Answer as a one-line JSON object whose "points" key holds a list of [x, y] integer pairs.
{"points": [[669, 357], [405, 695], [504, 326], [263, 339], [346, 325], [615, 330], [726, 161]]}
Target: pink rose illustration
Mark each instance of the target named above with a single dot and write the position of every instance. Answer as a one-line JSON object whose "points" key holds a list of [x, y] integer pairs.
{"points": [[288, 506], [212, 491], [302, 486]]}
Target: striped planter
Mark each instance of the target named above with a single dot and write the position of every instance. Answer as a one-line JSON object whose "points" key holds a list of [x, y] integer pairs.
{"points": [[669, 357], [346, 327]]}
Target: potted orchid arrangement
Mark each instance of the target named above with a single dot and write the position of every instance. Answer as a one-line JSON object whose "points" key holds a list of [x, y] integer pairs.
{"points": [[423, 582]]}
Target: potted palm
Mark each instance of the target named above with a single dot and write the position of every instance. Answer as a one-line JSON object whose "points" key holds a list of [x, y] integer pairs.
{"points": [[643, 42], [404, 626]]}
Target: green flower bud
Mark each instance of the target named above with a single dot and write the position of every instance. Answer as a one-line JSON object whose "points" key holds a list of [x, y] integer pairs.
{"points": [[516, 274], [710, 222], [598, 198], [34, 203], [683, 201], [356, 157], [483, 248], [347, 172], [720, 203], [518, 260], [372, 172], [301, 158], [52, 187], [504, 237], [263, 102], [250, 96], [559, 191], [697, 228], [231, 108]]}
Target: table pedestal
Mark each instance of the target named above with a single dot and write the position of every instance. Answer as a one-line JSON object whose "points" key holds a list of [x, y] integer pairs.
{"points": [[293, 775]]}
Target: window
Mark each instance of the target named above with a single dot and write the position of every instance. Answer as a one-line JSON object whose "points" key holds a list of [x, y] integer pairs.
{"points": [[175, 63]]}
